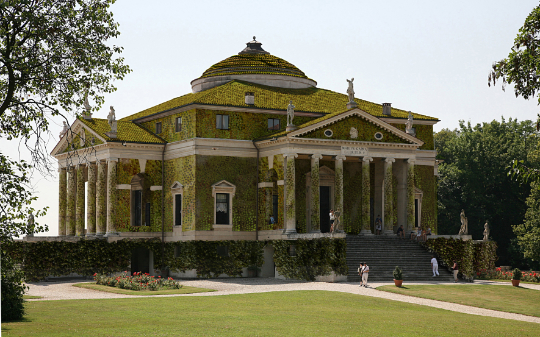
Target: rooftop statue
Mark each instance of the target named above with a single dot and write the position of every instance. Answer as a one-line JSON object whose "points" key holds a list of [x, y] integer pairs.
{"points": [[290, 114], [30, 226], [464, 230], [409, 124], [350, 90], [486, 232], [111, 118], [65, 129]]}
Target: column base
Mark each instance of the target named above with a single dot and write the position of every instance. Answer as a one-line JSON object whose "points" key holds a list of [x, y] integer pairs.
{"points": [[316, 231], [100, 234], [389, 232], [109, 234], [90, 235], [289, 231], [365, 232]]}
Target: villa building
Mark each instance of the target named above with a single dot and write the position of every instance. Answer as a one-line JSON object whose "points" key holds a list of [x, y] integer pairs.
{"points": [[256, 151]]}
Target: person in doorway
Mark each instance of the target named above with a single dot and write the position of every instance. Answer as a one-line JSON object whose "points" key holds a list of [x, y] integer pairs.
{"points": [[401, 232], [272, 220], [419, 234], [434, 266], [455, 270], [365, 275], [332, 219], [378, 225]]}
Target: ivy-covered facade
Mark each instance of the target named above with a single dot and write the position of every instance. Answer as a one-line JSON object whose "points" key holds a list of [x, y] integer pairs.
{"points": [[221, 163]]}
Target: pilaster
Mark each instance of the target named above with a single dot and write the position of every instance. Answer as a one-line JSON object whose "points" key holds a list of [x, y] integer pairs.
{"points": [[62, 201], [290, 187], [79, 213], [111, 196], [366, 190], [315, 194], [91, 200], [338, 197], [410, 195], [388, 217], [101, 198]]}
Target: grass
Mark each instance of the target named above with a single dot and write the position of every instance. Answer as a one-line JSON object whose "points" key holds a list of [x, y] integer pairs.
{"points": [[30, 297], [520, 282], [497, 297], [183, 290], [290, 313]]}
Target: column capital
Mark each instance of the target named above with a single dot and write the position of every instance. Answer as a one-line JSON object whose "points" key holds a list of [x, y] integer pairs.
{"points": [[368, 159], [411, 161], [60, 169], [88, 164], [294, 155], [112, 159], [341, 157], [389, 160], [316, 156]]}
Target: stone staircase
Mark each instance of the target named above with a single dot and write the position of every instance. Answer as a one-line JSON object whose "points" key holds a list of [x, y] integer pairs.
{"points": [[384, 253]]}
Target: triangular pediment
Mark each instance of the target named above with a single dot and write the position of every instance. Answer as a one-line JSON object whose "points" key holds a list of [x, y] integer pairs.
{"points": [[176, 185], [78, 135], [354, 125]]}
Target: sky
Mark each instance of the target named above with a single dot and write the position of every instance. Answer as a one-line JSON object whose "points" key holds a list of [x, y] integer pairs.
{"points": [[429, 57]]}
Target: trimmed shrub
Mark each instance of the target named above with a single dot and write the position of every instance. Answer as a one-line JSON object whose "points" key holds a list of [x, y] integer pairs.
{"points": [[13, 290]]}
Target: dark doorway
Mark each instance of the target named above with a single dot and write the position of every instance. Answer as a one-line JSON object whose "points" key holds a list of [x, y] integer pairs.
{"points": [[137, 207], [324, 199], [140, 260], [416, 213], [275, 203], [372, 214]]}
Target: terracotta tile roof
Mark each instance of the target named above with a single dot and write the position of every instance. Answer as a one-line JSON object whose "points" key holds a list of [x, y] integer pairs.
{"points": [[273, 98], [127, 131]]}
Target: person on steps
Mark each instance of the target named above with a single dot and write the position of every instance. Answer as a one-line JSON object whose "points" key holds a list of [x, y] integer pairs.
{"points": [[332, 219], [401, 232], [455, 269], [365, 275], [378, 225], [434, 266]]}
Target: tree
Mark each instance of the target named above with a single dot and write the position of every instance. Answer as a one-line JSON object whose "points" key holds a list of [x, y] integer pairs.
{"points": [[53, 55], [474, 177]]}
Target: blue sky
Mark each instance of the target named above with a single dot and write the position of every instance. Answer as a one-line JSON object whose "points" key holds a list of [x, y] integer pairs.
{"points": [[430, 57]]}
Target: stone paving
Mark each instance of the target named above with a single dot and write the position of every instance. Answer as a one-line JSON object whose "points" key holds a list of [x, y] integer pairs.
{"points": [[64, 290]]}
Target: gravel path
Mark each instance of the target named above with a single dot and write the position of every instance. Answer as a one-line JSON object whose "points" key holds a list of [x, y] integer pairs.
{"points": [[63, 290]]}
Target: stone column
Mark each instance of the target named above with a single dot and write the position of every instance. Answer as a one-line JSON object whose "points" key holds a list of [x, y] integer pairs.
{"points": [[410, 195], [70, 210], [62, 201], [366, 197], [111, 196], [338, 198], [315, 195], [290, 186], [388, 207], [101, 198], [91, 201], [79, 213]]}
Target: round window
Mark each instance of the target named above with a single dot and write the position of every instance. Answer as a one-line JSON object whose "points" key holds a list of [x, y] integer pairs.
{"points": [[328, 133], [378, 136]]}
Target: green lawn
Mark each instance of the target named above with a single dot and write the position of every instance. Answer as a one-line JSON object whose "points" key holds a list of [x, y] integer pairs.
{"points": [[183, 290], [497, 297], [29, 297], [291, 313], [520, 282]]}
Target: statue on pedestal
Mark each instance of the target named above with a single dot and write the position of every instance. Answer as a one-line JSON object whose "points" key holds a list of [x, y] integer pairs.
{"points": [[464, 230], [350, 90], [486, 231], [65, 129], [87, 108], [111, 118], [409, 124], [290, 114], [30, 225]]}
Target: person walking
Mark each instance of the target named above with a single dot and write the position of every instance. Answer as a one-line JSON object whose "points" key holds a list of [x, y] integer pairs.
{"points": [[360, 271], [434, 266], [455, 269], [365, 275]]}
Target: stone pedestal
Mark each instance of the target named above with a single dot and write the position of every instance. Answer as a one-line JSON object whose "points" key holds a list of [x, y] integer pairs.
{"points": [[352, 105], [290, 128]]}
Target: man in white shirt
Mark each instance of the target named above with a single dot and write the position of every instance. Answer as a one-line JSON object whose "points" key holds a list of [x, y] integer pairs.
{"points": [[434, 266], [332, 219], [365, 272]]}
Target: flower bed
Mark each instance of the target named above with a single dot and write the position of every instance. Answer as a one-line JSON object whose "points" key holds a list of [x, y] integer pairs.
{"points": [[139, 281], [498, 274]]}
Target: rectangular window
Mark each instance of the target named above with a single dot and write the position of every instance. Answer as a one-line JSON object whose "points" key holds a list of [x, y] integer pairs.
{"points": [[147, 215], [222, 122], [273, 124], [158, 127], [178, 209], [178, 124], [137, 207], [275, 203], [222, 209]]}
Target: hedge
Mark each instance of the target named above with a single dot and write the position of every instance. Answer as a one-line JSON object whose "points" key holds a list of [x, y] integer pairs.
{"points": [[470, 256]]}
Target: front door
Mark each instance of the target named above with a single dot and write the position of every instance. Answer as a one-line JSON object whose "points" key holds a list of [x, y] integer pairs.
{"points": [[324, 198], [140, 260]]}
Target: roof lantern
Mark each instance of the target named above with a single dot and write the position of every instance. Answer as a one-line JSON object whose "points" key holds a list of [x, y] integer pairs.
{"points": [[255, 65], [253, 47]]}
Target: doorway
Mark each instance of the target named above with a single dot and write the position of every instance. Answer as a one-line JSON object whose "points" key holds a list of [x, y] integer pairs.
{"points": [[140, 260], [324, 201]]}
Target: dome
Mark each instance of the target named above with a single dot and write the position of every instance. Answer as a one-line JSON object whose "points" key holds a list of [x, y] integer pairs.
{"points": [[253, 64]]}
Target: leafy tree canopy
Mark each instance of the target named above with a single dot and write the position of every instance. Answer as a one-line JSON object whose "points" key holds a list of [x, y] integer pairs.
{"points": [[474, 177]]}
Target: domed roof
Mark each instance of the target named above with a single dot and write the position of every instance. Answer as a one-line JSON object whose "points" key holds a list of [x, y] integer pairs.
{"points": [[253, 64], [253, 60]]}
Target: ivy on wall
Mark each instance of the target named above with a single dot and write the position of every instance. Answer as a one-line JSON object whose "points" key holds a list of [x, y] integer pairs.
{"points": [[366, 131], [351, 219], [168, 126], [313, 258], [424, 133], [470, 256], [41, 259], [182, 170]]}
